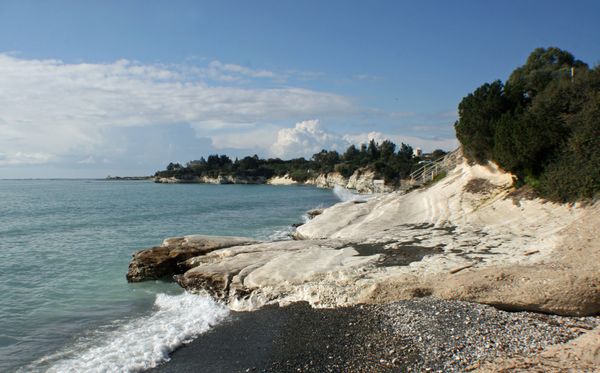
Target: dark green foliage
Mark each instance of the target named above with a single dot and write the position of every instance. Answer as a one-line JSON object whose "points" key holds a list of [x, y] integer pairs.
{"points": [[478, 113], [173, 166], [326, 160], [345, 169], [437, 154], [543, 66], [535, 125], [576, 172], [373, 151], [380, 158]]}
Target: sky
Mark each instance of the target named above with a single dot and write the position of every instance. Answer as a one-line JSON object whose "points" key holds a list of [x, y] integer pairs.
{"points": [[97, 88]]}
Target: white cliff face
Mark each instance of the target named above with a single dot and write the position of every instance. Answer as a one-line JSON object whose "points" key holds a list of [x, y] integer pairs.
{"points": [[462, 238], [328, 180], [362, 181], [221, 179], [282, 180]]}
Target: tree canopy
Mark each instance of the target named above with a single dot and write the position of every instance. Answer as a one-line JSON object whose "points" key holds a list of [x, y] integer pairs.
{"points": [[542, 125], [382, 158]]}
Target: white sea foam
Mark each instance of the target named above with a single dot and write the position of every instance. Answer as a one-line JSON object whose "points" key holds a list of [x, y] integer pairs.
{"points": [[346, 195], [141, 343], [281, 234]]}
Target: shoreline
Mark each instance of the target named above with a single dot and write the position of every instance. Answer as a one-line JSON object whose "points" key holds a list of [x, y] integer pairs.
{"points": [[412, 335], [461, 239]]}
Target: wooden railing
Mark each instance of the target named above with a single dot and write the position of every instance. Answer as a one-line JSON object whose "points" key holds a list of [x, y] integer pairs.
{"points": [[429, 171]]}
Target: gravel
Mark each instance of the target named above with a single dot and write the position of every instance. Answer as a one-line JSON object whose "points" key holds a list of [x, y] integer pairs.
{"points": [[453, 335], [424, 334]]}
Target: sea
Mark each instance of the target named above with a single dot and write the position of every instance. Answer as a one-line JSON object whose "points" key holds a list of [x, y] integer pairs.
{"points": [[65, 245]]}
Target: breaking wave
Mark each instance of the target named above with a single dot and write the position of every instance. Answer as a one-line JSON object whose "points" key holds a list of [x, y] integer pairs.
{"points": [[140, 343], [346, 195]]}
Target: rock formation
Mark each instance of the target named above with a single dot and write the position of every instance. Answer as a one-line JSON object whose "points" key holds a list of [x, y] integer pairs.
{"points": [[164, 260], [363, 181], [464, 237], [221, 179]]}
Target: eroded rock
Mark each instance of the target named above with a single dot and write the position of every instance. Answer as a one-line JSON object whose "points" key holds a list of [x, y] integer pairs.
{"points": [[162, 261], [457, 239]]}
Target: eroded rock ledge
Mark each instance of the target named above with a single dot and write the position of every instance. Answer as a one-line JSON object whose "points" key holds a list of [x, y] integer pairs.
{"points": [[164, 261], [451, 240]]}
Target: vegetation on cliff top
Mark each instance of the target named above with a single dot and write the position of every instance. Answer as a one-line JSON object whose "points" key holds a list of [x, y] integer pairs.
{"points": [[542, 125], [382, 158]]}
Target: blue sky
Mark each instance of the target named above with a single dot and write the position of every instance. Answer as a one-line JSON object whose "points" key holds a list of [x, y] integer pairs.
{"points": [[123, 87]]}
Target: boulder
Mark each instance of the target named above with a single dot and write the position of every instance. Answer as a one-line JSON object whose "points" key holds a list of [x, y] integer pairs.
{"points": [[314, 212], [165, 260]]}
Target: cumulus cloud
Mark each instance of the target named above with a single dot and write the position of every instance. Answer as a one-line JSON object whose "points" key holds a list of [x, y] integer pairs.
{"points": [[304, 139], [309, 137], [427, 144], [254, 138], [231, 72], [50, 109]]}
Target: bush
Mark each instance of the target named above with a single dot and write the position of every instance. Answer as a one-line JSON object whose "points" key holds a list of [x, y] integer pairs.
{"points": [[542, 126]]}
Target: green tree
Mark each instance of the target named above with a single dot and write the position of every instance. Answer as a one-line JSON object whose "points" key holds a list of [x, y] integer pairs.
{"points": [[387, 150], [351, 155], [542, 67], [543, 126], [477, 113], [325, 161], [373, 151]]}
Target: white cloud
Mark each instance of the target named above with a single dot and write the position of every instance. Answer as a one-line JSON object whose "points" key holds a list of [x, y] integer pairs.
{"points": [[309, 137], [231, 72], [256, 138], [50, 109], [305, 139], [22, 158]]}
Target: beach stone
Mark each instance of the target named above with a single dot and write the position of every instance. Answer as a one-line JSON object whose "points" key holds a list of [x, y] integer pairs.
{"points": [[165, 260], [314, 212]]}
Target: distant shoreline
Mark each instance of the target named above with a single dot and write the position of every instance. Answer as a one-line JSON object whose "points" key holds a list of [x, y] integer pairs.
{"points": [[125, 178]]}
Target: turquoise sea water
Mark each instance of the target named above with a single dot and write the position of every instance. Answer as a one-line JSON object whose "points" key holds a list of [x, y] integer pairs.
{"points": [[65, 246]]}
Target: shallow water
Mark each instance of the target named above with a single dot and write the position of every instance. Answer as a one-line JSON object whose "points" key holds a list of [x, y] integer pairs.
{"points": [[65, 247]]}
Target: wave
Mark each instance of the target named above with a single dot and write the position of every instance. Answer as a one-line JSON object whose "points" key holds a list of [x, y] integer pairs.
{"points": [[345, 195], [141, 343], [283, 234]]}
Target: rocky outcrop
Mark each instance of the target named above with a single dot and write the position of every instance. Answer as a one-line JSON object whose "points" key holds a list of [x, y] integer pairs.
{"points": [[252, 276], [221, 179], [328, 180], [282, 180], [314, 212], [363, 181], [165, 260], [450, 240]]}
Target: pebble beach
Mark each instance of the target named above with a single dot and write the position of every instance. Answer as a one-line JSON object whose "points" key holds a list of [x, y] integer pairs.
{"points": [[423, 334]]}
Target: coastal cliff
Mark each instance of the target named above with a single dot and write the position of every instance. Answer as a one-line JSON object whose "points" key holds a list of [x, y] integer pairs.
{"points": [[221, 179], [362, 181], [467, 237]]}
